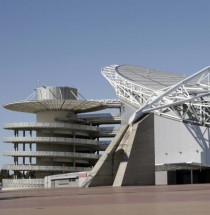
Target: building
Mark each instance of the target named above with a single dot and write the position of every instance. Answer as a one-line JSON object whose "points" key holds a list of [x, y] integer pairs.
{"points": [[65, 138], [164, 137]]}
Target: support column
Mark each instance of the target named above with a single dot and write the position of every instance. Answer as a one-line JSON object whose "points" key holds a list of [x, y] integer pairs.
{"points": [[16, 149], [30, 149], [74, 150], [98, 141], [15, 158], [191, 176], [24, 148]]}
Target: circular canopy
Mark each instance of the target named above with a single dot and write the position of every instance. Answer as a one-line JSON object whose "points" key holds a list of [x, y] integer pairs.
{"points": [[150, 78], [77, 106]]}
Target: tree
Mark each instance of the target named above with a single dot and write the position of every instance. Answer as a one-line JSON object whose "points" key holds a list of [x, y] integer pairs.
{"points": [[4, 174]]}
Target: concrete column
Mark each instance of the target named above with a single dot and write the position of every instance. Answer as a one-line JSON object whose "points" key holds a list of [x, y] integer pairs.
{"points": [[191, 176], [24, 148], [15, 160], [30, 158], [16, 146], [97, 140], [16, 149]]}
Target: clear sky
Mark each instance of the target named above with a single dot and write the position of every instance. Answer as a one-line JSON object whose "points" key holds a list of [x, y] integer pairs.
{"points": [[67, 42]]}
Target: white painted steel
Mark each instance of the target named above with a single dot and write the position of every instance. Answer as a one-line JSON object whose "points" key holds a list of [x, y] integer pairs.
{"points": [[176, 99], [166, 94]]}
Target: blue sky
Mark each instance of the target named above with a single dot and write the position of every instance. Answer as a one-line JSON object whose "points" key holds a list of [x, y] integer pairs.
{"points": [[67, 42]]}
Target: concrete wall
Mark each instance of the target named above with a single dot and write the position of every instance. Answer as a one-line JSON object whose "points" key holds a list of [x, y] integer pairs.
{"points": [[141, 164], [56, 93], [102, 172], [65, 180], [161, 178], [49, 116], [177, 142], [129, 159], [127, 111]]}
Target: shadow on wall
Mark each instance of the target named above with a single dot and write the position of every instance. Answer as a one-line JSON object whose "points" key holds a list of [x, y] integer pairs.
{"points": [[202, 138]]}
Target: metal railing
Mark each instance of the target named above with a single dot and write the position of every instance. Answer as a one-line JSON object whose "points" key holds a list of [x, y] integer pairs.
{"points": [[51, 154], [99, 115], [45, 168], [109, 129], [22, 183], [57, 140], [38, 125]]}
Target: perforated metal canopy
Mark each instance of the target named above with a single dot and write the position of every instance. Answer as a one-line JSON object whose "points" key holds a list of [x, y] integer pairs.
{"points": [[77, 106], [151, 78], [177, 96]]}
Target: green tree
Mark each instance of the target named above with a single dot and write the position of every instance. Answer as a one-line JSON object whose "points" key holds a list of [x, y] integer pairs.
{"points": [[4, 174]]}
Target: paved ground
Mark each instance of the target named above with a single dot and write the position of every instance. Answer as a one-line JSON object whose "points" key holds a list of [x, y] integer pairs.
{"points": [[170, 200]]}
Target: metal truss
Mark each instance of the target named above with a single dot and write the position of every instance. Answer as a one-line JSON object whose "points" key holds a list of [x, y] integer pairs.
{"points": [[187, 101]]}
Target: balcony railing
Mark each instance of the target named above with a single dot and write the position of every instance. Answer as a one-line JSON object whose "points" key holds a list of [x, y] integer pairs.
{"points": [[51, 154], [45, 168]]}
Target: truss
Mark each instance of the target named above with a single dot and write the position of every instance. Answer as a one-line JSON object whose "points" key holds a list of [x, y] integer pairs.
{"points": [[186, 101]]}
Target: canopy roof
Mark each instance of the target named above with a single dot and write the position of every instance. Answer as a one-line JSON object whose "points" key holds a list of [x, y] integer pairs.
{"points": [[150, 78], [35, 106]]}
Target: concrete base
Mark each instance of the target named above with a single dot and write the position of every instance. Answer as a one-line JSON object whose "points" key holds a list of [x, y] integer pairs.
{"points": [[161, 178], [102, 172], [129, 159], [65, 180]]}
